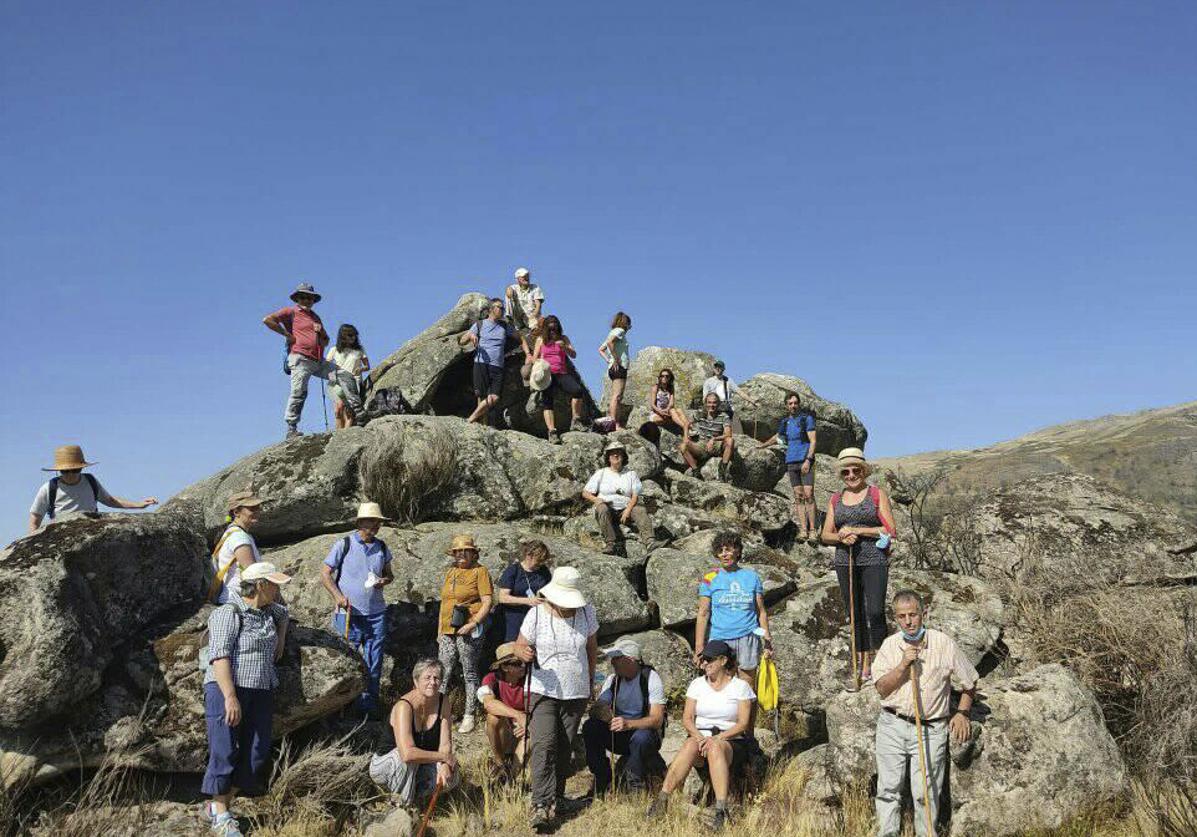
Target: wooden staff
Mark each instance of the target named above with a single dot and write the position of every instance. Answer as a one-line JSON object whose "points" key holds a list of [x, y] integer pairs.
{"points": [[348, 610], [436, 791], [918, 731]]}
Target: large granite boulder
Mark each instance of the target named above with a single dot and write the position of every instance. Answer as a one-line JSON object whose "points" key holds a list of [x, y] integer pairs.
{"points": [[690, 369], [673, 578], [1049, 529], [836, 427], [811, 640], [1040, 756], [765, 512]]}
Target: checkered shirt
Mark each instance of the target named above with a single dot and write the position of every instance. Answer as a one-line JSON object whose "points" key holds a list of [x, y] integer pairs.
{"points": [[247, 637]]}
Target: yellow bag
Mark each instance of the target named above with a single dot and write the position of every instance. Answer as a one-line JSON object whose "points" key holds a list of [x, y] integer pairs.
{"points": [[766, 684]]}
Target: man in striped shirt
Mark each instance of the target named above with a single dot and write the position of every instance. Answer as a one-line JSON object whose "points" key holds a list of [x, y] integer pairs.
{"points": [[930, 659], [711, 436]]}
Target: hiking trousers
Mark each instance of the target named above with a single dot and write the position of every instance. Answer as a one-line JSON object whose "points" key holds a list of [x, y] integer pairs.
{"points": [[641, 746], [451, 648], [552, 728], [897, 759], [369, 632], [608, 522], [237, 756], [302, 369]]}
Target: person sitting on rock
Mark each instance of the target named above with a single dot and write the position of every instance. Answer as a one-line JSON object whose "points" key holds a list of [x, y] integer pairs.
{"points": [[358, 566], [627, 718], [524, 299], [663, 409], [731, 601], [615, 352], [614, 492], [797, 431], [724, 387], [246, 638], [859, 522], [416, 753], [914, 670], [519, 584], [710, 435], [489, 337], [466, 598], [503, 699], [74, 491], [554, 347], [718, 720], [349, 357], [236, 550]]}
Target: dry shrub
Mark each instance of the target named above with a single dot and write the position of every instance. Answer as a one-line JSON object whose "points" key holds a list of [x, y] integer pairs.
{"points": [[114, 799], [409, 479], [313, 791], [1165, 809]]}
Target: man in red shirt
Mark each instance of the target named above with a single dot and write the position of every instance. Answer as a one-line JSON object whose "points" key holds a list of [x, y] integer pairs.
{"points": [[306, 339], [502, 696]]}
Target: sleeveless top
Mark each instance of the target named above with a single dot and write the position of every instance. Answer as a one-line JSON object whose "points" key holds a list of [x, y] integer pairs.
{"points": [[554, 353], [865, 551], [428, 739], [662, 398]]}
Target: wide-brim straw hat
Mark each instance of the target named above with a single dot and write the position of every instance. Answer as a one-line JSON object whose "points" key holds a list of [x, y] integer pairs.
{"points": [[371, 511], [851, 456], [68, 458], [503, 653], [541, 376], [244, 498], [461, 542], [564, 590], [305, 288]]}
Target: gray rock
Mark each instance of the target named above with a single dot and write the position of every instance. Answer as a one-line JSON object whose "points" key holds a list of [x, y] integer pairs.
{"points": [[673, 578], [765, 512], [837, 427], [398, 823], [690, 369], [752, 468]]}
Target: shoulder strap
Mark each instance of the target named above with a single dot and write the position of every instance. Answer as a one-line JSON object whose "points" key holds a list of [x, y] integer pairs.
{"points": [[835, 499], [645, 671], [95, 486], [218, 579], [52, 491], [341, 561], [875, 496]]}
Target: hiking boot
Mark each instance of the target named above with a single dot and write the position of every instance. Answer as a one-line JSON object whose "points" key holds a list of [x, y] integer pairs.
{"points": [[225, 825], [554, 437], [724, 471], [579, 426], [467, 724], [658, 807], [541, 818], [292, 432], [720, 819]]}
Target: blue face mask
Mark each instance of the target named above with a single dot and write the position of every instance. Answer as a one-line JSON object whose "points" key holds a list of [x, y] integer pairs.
{"points": [[918, 637]]}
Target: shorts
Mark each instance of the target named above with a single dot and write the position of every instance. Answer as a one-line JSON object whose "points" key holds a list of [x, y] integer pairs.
{"points": [[797, 478], [617, 373], [747, 649], [563, 380], [742, 748], [488, 380]]}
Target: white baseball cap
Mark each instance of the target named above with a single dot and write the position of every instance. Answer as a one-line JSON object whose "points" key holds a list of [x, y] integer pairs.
{"points": [[521, 272]]}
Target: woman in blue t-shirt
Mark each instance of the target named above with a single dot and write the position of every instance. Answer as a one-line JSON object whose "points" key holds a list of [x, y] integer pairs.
{"points": [[519, 584], [797, 431]]}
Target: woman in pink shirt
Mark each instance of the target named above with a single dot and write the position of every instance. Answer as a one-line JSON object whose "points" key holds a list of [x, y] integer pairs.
{"points": [[555, 349]]}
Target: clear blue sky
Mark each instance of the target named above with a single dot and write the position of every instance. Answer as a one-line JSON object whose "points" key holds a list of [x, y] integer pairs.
{"points": [[965, 220]]}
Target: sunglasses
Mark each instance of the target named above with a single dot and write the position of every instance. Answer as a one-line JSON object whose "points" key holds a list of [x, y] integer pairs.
{"points": [[514, 664], [846, 472]]}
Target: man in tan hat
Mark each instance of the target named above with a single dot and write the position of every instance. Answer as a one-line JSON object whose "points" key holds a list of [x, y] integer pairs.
{"points": [[614, 491], [502, 697], [357, 568], [74, 491]]}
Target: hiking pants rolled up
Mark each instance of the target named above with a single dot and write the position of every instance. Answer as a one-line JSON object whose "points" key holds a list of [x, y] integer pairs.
{"points": [[608, 522], [237, 755], [552, 727], [868, 591], [451, 648], [303, 368], [639, 745], [370, 634], [898, 763]]}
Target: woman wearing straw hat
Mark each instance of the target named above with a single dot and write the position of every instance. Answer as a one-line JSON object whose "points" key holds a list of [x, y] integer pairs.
{"points": [[466, 598], [245, 640], [74, 491], [860, 522], [236, 548], [559, 638]]}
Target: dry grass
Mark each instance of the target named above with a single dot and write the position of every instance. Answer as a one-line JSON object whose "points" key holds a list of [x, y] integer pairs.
{"points": [[409, 479]]}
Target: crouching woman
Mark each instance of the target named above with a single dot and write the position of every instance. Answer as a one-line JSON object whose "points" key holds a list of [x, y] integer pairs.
{"points": [[416, 753], [245, 640]]}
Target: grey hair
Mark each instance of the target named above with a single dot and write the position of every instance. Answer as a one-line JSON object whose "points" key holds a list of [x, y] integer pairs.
{"points": [[908, 595], [422, 665]]}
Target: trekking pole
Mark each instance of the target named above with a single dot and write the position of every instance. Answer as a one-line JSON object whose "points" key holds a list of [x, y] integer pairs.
{"points": [[436, 791], [324, 402], [852, 611], [527, 732], [611, 755], [918, 731]]}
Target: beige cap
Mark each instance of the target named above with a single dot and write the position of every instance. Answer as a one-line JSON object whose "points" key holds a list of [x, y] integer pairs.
{"points": [[245, 498], [624, 647], [264, 570], [521, 272]]}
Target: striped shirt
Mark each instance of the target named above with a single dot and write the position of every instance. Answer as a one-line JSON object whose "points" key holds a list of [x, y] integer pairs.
{"points": [[709, 427], [246, 636], [942, 662]]}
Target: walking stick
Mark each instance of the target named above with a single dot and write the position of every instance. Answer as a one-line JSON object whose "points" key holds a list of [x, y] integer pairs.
{"points": [[436, 791], [527, 732], [918, 731], [611, 755], [348, 610], [852, 612]]}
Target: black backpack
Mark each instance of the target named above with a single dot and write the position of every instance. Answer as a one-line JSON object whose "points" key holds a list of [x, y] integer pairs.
{"points": [[388, 401], [91, 480]]}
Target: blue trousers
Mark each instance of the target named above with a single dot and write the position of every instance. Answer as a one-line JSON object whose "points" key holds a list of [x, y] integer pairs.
{"points": [[237, 755], [640, 746], [370, 633]]}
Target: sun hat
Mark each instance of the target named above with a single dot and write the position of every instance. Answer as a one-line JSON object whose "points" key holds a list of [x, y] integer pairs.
{"points": [[264, 570], [503, 653], [850, 456], [541, 376], [624, 647], [720, 364], [68, 458], [717, 648], [370, 511], [461, 542], [613, 446], [563, 590], [521, 272], [305, 288], [245, 498]]}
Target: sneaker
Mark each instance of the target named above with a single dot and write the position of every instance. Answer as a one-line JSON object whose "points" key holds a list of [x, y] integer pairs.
{"points": [[467, 724], [225, 825], [292, 432], [720, 819], [205, 812], [541, 818], [658, 807], [554, 437]]}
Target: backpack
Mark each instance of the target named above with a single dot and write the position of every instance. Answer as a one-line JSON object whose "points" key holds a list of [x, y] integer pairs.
{"points": [[218, 579], [645, 670], [53, 492], [345, 552], [875, 496], [388, 401]]}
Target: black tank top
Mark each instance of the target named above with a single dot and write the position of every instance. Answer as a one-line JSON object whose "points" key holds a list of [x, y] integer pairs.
{"points": [[428, 739]]}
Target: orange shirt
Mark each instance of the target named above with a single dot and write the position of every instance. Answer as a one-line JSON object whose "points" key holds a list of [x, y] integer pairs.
{"points": [[463, 587]]}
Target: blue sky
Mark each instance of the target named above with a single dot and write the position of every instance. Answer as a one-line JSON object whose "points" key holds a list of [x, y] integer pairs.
{"points": [[964, 220]]}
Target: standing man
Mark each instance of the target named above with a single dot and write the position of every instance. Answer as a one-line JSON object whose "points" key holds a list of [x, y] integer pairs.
{"points": [[489, 337], [524, 301], [357, 568], [797, 431], [723, 387], [711, 435], [306, 338], [74, 491], [731, 600], [626, 718], [932, 658]]}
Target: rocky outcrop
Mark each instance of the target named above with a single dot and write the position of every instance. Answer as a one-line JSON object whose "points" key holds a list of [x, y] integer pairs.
{"points": [[673, 578], [690, 369], [837, 427]]}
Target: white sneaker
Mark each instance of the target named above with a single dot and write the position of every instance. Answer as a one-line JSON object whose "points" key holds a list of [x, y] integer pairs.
{"points": [[467, 724]]}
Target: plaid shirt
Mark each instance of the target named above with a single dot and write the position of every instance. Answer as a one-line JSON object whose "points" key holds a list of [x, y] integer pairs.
{"points": [[246, 636]]}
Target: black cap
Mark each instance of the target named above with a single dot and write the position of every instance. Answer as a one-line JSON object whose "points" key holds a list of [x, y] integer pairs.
{"points": [[717, 648]]}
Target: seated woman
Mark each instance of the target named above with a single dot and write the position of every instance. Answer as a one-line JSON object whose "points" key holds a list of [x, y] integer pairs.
{"points": [[555, 348], [663, 410], [718, 708], [416, 753]]}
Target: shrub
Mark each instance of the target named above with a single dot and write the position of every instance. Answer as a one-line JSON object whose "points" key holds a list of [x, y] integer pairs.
{"points": [[410, 480]]}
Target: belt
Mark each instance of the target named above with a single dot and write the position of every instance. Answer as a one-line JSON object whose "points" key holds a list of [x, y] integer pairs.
{"points": [[908, 719]]}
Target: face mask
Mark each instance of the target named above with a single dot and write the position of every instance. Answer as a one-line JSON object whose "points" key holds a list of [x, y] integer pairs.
{"points": [[918, 637]]}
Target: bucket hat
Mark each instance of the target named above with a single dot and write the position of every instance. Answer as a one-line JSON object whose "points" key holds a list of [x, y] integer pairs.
{"points": [[264, 570], [68, 458], [612, 446], [371, 511], [245, 498], [305, 288], [541, 376], [563, 590], [461, 542], [850, 456], [503, 653]]}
